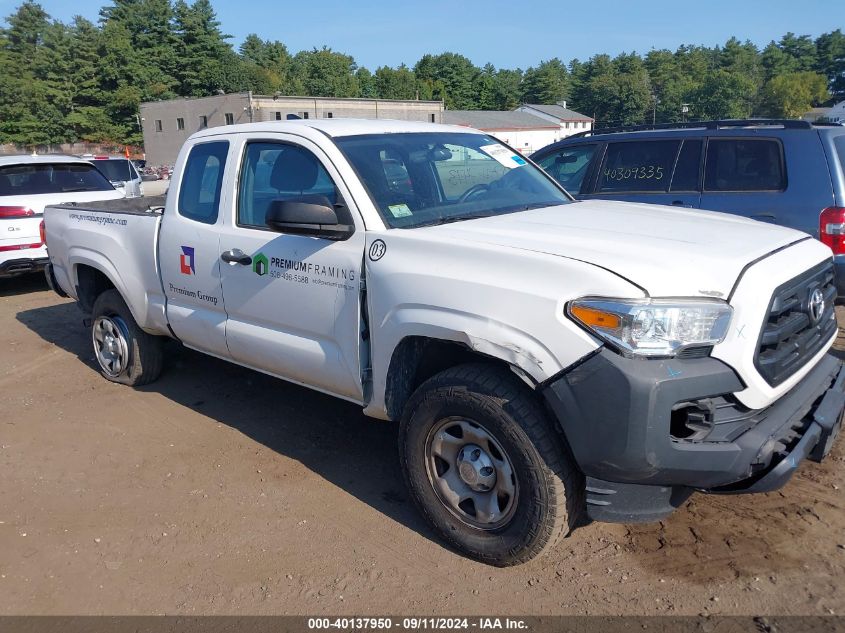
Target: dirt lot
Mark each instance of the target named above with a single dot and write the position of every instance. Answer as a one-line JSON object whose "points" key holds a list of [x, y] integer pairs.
{"points": [[220, 490]]}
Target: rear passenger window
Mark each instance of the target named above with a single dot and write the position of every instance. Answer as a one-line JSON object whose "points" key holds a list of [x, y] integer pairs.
{"points": [[744, 165], [638, 166], [685, 177], [569, 165], [199, 193]]}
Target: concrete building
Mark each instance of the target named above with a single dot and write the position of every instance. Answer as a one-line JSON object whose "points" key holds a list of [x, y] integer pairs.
{"points": [[167, 124], [570, 122], [521, 130]]}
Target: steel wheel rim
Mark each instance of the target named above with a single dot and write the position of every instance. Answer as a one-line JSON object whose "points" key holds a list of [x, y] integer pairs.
{"points": [[110, 344], [458, 454]]}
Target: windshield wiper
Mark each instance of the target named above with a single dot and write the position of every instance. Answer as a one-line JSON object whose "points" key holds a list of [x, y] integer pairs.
{"points": [[452, 218]]}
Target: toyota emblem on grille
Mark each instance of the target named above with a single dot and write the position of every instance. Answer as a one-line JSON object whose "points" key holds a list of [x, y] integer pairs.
{"points": [[815, 306]]}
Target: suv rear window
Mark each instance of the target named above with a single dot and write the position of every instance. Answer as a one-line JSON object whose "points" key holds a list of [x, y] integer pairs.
{"points": [[37, 178], [637, 166], [744, 165]]}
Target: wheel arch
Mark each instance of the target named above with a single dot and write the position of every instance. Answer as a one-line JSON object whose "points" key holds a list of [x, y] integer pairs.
{"points": [[417, 358]]}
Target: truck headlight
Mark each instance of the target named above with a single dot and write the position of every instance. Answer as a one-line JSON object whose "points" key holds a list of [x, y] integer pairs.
{"points": [[653, 327]]}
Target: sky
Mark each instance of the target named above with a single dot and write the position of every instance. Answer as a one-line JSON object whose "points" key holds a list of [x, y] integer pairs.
{"points": [[508, 34]]}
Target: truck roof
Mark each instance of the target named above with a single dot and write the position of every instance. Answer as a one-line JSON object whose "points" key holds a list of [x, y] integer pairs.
{"points": [[336, 127], [25, 159]]}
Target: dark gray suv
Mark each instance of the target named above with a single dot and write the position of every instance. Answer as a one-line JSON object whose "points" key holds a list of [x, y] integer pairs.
{"points": [[781, 171]]}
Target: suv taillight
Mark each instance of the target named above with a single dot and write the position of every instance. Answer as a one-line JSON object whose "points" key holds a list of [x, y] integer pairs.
{"points": [[832, 229], [16, 212], [42, 230]]}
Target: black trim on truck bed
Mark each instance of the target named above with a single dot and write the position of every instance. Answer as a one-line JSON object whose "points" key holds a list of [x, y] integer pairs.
{"points": [[127, 206]]}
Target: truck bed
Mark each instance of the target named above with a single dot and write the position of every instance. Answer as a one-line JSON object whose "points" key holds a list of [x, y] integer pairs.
{"points": [[134, 206], [118, 238]]}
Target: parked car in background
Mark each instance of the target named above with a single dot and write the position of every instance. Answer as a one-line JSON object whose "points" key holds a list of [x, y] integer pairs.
{"points": [[27, 185], [122, 173], [784, 172]]}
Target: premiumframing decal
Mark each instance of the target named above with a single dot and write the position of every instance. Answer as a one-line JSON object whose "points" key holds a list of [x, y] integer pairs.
{"points": [[304, 272]]}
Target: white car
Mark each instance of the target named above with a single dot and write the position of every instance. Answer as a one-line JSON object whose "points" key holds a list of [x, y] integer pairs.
{"points": [[544, 357], [121, 172], [27, 185]]}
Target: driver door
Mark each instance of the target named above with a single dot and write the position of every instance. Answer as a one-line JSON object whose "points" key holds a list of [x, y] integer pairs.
{"points": [[293, 301]]}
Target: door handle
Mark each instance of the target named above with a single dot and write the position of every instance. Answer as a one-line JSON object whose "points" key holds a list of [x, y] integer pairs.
{"points": [[236, 256], [681, 203]]}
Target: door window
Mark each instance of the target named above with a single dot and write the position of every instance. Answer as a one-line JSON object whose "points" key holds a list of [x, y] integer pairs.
{"points": [[199, 193], [687, 168], [569, 165], [278, 171], [641, 166], [744, 165]]}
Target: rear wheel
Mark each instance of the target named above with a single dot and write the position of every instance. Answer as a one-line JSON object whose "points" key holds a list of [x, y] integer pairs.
{"points": [[486, 467], [125, 353]]}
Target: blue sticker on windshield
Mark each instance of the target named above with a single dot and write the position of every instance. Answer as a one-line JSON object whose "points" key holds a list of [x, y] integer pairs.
{"points": [[518, 160]]}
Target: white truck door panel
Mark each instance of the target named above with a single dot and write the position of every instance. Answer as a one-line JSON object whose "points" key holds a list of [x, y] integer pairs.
{"points": [[189, 251], [294, 307]]}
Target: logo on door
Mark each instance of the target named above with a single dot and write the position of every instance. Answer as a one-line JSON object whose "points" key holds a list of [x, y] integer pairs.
{"points": [[186, 261], [260, 264]]}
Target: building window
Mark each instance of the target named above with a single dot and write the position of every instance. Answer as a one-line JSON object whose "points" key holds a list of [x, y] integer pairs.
{"points": [[158, 125], [329, 115], [203, 121], [433, 118], [180, 124], [278, 116], [230, 118], [304, 115]]}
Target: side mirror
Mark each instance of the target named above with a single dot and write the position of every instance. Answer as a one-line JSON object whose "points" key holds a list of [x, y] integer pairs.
{"points": [[313, 215]]}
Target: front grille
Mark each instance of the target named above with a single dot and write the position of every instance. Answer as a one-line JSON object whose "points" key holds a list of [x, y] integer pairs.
{"points": [[789, 337]]}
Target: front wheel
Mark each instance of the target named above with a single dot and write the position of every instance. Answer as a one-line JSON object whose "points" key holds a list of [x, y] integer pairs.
{"points": [[124, 352], [486, 467]]}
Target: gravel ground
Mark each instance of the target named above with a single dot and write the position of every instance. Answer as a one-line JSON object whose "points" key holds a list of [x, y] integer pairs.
{"points": [[220, 490]]}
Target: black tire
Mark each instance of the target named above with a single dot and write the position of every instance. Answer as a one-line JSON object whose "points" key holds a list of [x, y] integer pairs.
{"points": [[549, 490], [142, 352]]}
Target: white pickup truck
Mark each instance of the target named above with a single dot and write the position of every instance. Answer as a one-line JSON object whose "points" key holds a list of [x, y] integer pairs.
{"points": [[544, 358]]}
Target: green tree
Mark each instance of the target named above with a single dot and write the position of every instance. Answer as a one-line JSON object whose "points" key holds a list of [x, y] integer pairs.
{"points": [[366, 83], [547, 83], [791, 95], [325, 73], [150, 26], [395, 83], [724, 95], [203, 50], [830, 61], [508, 89], [448, 76]]}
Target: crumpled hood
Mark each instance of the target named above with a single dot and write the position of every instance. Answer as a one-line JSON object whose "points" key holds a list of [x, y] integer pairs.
{"points": [[667, 251]]}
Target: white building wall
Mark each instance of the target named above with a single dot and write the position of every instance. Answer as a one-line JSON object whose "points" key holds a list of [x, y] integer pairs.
{"points": [[837, 113], [527, 141]]}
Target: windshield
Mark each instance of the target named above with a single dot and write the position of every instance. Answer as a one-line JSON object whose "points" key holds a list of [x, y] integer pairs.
{"points": [[37, 178], [432, 178], [116, 170]]}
